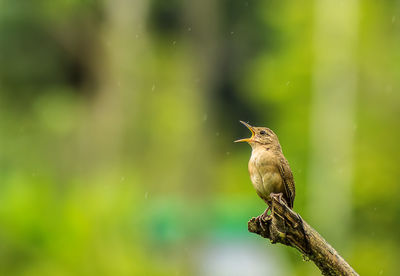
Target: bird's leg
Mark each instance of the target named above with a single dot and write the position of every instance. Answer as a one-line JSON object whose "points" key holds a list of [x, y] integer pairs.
{"points": [[280, 198], [265, 214], [261, 221], [264, 217]]}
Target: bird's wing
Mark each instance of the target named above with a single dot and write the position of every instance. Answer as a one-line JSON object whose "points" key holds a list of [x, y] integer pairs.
{"points": [[287, 176]]}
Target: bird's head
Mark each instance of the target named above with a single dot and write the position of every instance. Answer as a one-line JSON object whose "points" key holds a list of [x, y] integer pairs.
{"points": [[260, 136]]}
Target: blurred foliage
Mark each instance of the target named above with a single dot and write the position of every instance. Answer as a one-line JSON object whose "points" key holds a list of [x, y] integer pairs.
{"points": [[117, 121]]}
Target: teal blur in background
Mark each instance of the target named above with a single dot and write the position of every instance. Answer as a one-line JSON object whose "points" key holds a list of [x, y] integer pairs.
{"points": [[117, 122]]}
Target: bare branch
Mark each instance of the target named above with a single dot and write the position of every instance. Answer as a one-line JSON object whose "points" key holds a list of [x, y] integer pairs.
{"points": [[287, 227]]}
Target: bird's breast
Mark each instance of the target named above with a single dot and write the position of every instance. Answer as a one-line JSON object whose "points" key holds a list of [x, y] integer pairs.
{"points": [[264, 173]]}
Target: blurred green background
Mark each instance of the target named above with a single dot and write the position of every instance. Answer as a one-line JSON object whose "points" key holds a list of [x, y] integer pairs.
{"points": [[117, 121]]}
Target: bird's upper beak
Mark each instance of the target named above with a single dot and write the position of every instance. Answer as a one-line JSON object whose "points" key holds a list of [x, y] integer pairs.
{"points": [[252, 133]]}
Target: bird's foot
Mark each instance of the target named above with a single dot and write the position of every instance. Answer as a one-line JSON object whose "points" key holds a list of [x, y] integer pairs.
{"points": [[261, 219], [264, 216], [279, 197], [261, 222]]}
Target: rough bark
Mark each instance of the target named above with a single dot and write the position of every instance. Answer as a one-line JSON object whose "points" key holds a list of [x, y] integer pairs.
{"points": [[287, 227]]}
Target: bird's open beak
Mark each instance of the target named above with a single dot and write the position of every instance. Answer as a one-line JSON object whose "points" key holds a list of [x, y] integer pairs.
{"points": [[252, 133]]}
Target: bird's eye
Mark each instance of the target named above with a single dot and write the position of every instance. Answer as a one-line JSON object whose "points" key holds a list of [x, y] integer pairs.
{"points": [[262, 132]]}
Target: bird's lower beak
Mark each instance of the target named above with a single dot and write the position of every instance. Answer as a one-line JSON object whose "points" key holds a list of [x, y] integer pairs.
{"points": [[252, 133]]}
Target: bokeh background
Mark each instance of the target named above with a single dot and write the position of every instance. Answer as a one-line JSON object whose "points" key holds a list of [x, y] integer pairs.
{"points": [[117, 121]]}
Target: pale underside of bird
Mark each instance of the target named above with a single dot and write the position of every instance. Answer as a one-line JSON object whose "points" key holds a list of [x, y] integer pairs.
{"points": [[268, 168]]}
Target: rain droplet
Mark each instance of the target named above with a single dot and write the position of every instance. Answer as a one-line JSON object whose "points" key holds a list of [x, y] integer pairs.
{"points": [[146, 195], [287, 84], [393, 19], [122, 179], [153, 87], [228, 153], [189, 29], [217, 134], [205, 117], [232, 33], [174, 42]]}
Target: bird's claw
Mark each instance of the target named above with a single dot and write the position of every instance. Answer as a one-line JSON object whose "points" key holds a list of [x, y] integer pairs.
{"points": [[265, 215], [260, 220], [279, 198]]}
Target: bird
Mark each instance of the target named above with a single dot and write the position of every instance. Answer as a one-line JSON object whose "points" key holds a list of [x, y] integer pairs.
{"points": [[268, 168]]}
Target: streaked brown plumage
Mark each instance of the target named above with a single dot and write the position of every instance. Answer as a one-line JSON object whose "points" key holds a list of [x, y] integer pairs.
{"points": [[269, 170]]}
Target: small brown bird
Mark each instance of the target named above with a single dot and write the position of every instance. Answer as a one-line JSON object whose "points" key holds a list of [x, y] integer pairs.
{"points": [[269, 170]]}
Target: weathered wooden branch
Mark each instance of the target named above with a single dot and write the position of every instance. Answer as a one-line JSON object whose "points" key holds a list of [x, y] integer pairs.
{"points": [[287, 227]]}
